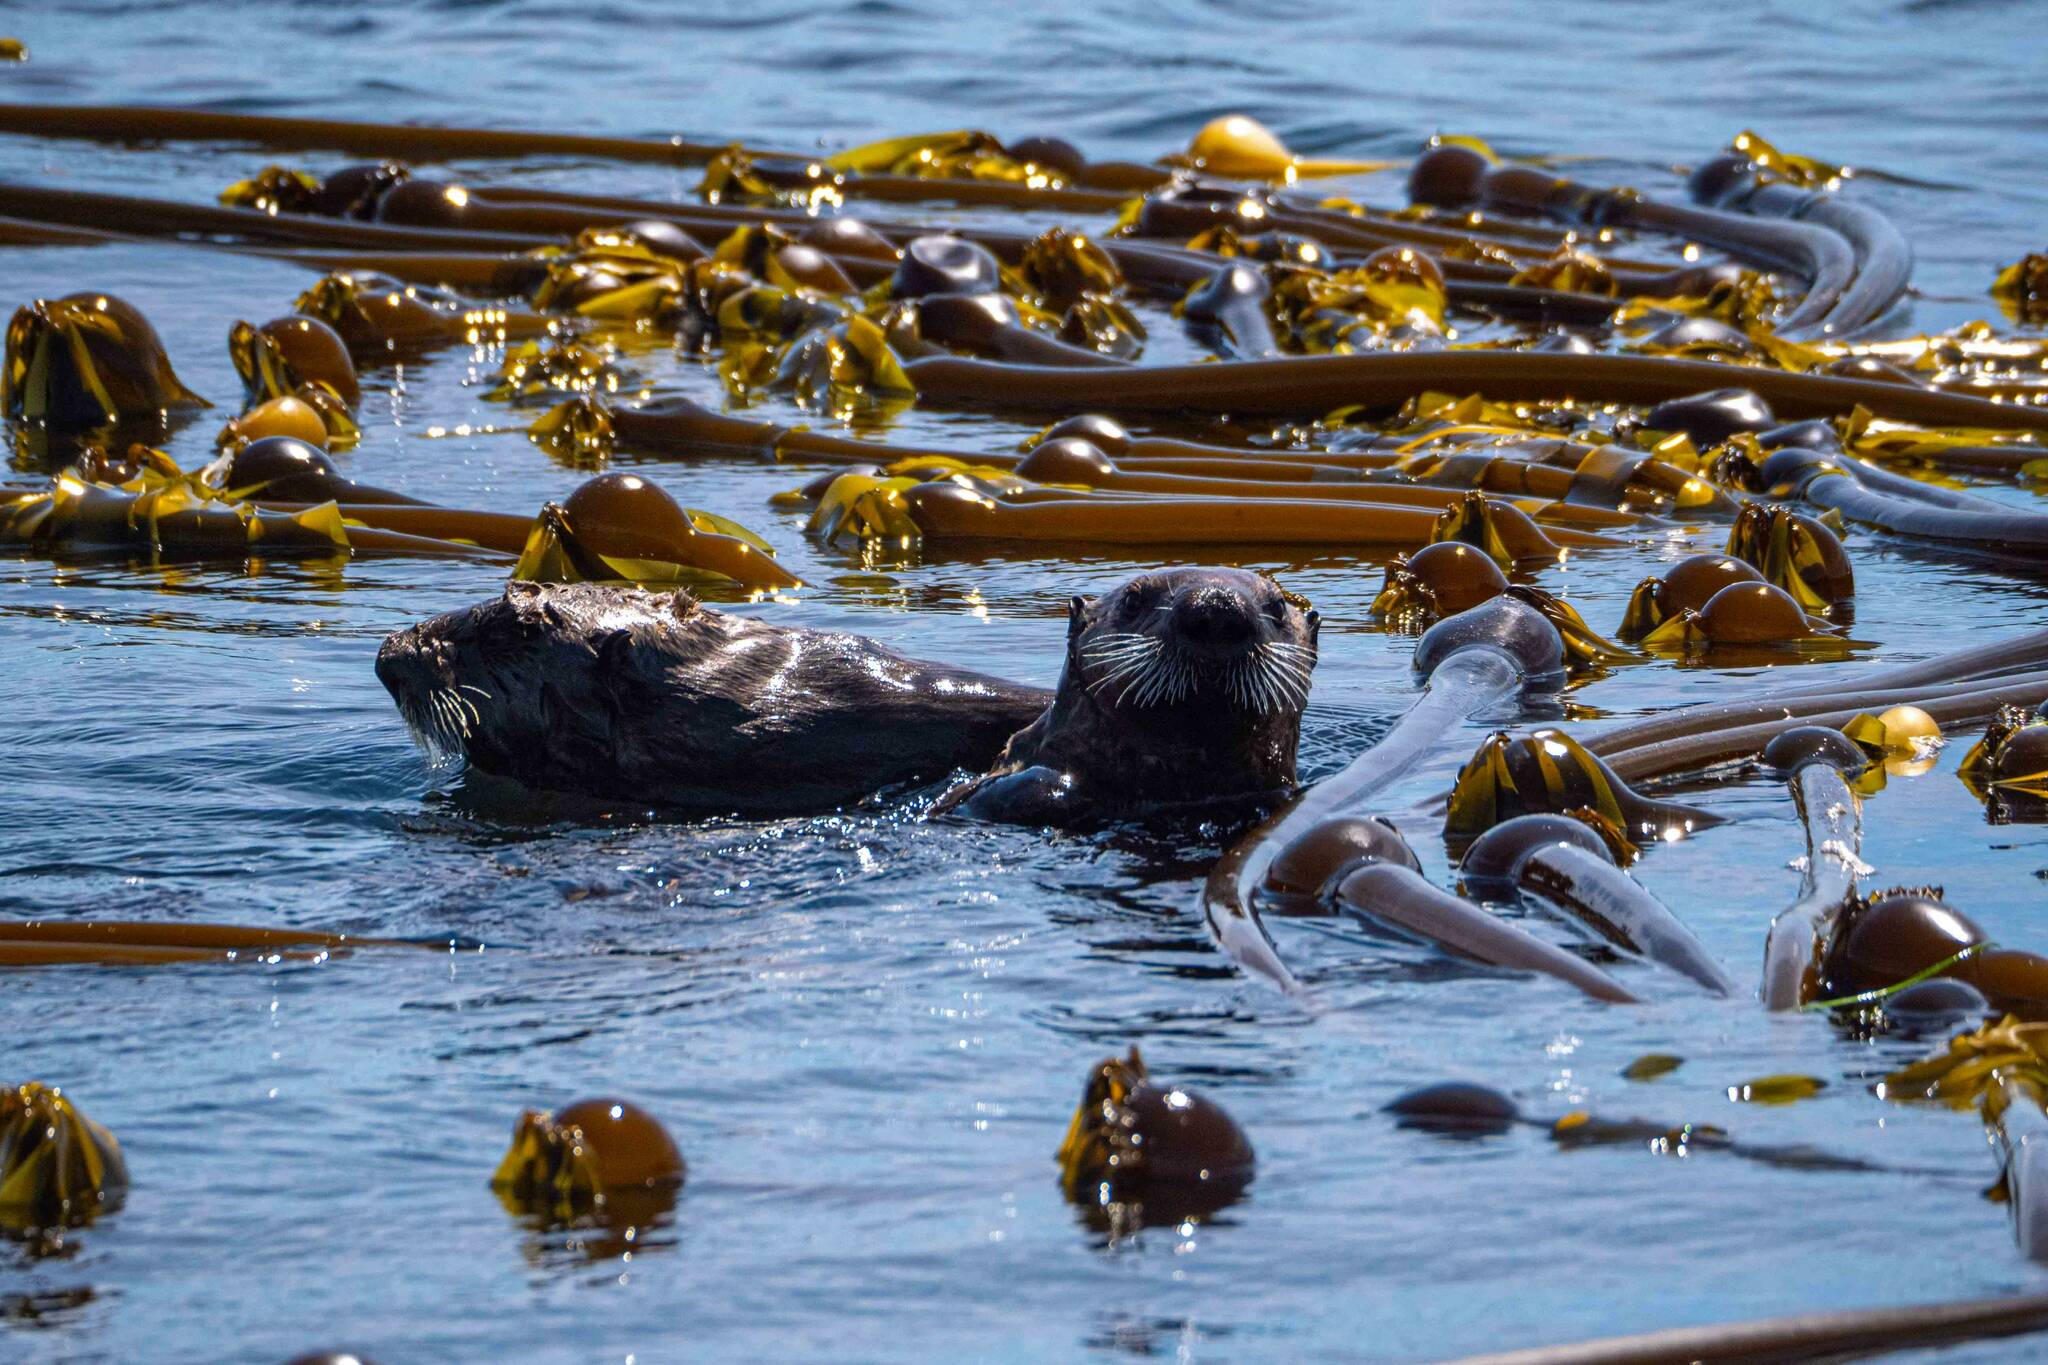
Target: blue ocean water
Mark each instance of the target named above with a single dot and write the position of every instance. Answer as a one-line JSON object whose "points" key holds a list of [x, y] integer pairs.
{"points": [[867, 1033]]}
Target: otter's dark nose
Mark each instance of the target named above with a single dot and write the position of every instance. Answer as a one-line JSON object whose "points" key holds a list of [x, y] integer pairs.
{"points": [[1213, 620]]}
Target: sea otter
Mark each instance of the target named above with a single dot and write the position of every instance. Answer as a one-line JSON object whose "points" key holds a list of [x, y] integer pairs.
{"points": [[651, 698], [1183, 687]]}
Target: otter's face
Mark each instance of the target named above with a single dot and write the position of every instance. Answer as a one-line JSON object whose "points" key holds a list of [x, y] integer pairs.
{"points": [[1213, 637]]}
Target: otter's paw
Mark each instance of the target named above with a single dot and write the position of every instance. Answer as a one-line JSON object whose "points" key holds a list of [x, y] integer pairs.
{"points": [[1032, 796]]}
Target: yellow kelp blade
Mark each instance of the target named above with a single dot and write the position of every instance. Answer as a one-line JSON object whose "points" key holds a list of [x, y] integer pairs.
{"points": [[548, 1170], [1789, 167], [576, 431], [56, 1165]]}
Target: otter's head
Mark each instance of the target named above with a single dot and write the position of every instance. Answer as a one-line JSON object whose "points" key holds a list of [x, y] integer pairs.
{"points": [[1216, 639], [529, 673]]}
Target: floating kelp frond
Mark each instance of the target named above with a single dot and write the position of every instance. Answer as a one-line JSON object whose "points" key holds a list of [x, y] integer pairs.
{"points": [[1570, 270], [1878, 438], [274, 190], [623, 528], [601, 280], [1059, 267], [569, 1164], [1786, 1089], [534, 370], [1396, 294], [867, 508], [2022, 290], [1585, 649], [1794, 552], [85, 361], [1550, 772], [1773, 164], [845, 368], [965, 154], [737, 176], [1968, 1073], [57, 1167], [577, 431]]}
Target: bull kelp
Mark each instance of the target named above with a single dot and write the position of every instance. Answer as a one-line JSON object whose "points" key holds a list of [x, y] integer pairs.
{"points": [[1721, 412]]}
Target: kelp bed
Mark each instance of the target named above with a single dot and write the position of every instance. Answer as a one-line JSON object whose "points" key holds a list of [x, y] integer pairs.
{"points": [[1225, 357]]}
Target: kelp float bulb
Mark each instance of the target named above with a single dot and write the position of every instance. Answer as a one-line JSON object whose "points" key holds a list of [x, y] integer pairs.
{"points": [[1134, 1138], [570, 1160]]}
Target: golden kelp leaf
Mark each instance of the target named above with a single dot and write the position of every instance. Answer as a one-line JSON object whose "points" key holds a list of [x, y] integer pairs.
{"points": [[57, 1167], [1570, 270], [549, 1169], [577, 431], [1788, 167], [962, 154], [1973, 1064], [1777, 1089], [274, 190], [2022, 289], [1651, 1065], [533, 369], [1059, 267], [736, 176]]}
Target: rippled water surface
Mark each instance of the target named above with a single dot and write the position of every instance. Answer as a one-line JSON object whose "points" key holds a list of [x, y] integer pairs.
{"points": [[866, 1032]]}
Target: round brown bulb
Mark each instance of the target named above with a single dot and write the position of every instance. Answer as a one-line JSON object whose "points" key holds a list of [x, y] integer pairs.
{"points": [[1495, 858], [1447, 177], [848, 237], [1181, 1137], [425, 203], [285, 416], [315, 352], [285, 469], [629, 517], [1938, 999], [1753, 614], [1054, 153], [945, 264], [1711, 418], [1898, 934], [664, 238], [1106, 434], [2024, 754], [1520, 187], [811, 268], [1455, 1108], [353, 191], [632, 1149], [1794, 749], [1306, 866], [1692, 582], [1458, 576], [2008, 977], [1066, 459]]}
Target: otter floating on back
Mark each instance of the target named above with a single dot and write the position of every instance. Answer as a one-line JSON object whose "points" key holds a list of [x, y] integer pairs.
{"points": [[1181, 688]]}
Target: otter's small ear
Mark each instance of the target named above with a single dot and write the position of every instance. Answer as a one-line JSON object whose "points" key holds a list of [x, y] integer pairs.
{"points": [[1077, 607], [1315, 627]]}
